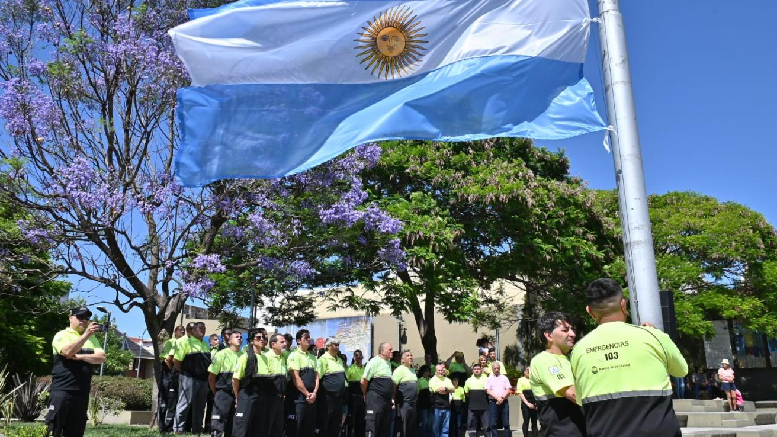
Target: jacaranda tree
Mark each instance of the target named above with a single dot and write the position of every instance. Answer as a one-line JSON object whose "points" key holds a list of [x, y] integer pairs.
{"points": [[88, 99]]}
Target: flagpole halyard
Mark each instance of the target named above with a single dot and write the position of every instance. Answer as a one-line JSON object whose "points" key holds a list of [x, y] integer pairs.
{"points": [[629, 174]]}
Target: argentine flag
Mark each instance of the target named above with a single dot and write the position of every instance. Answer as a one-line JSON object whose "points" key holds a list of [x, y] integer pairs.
{"points": [[279, 87]]}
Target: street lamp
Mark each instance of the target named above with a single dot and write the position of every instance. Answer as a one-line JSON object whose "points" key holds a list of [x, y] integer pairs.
{"points": [[140, 353], [105, 338]]}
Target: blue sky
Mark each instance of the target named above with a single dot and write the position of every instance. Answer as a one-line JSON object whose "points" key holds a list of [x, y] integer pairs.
{"points": [[703, 74]]}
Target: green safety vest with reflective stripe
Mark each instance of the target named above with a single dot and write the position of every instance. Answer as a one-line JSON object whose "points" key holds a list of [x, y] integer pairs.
{"points": [[622, 371], [377, 367], [223, 366], [354, 373], [69, 374], [194, 355], [403, 374], [550, 376]]}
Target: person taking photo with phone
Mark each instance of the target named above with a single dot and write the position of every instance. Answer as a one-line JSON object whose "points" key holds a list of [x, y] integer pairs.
{"points": [[76, 352]]}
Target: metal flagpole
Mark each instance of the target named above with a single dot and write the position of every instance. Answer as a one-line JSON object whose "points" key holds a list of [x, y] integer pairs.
{"points": [[627, 156]]}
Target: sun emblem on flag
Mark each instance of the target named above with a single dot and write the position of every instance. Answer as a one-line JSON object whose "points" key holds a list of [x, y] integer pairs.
{"points": [[391, 43]]}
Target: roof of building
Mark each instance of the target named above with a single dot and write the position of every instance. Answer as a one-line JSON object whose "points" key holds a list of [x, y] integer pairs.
{"points": [[144, 351]]}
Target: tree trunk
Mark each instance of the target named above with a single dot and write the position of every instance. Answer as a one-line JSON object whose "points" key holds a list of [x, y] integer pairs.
{"points": [[157, 319], [153, 325], [424, 317], [429, 336]]}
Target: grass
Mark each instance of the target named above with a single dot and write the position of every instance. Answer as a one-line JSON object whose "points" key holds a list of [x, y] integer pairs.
{"points": [[91, 431]]}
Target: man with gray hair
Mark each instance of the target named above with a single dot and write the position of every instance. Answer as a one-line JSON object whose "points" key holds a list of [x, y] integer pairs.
{"points": [[378, 389], [332, 371]]}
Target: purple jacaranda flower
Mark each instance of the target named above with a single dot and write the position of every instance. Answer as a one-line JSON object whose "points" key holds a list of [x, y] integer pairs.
{"points": [[32, 234], [211, 263], [393, 254], [36, 67]]}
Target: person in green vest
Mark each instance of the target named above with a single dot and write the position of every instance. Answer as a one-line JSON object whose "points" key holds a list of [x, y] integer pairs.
{"points": [[168, 395], [492, 359], [192, 358], [458, 409], [247, 385], [274, 387], [220, 381], [378, 389], [528, 407], [622, 371], [457, 367], [424, 405], [303, 367], [440, 387], [475, 389], [552, 381], [406, 396], [356, 410], [485, 368], [75, 353], [333, 380]]}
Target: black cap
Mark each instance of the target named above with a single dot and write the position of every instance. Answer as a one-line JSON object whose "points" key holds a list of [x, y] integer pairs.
{"points": [[80, 311]]}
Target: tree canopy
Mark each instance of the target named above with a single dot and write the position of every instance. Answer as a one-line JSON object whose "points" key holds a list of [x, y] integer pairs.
{"points": [[30, 308], [474, 213], [88, 103], [718, 258]]}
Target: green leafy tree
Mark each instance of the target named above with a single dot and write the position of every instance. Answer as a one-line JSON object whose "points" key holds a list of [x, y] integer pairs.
{"points": [[31, 310], [718, 258], [117, 360], [474, 213]]}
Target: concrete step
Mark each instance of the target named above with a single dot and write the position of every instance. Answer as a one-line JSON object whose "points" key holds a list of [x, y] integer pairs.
{"points": [[717, 419], [765, 404], [708, 406]]}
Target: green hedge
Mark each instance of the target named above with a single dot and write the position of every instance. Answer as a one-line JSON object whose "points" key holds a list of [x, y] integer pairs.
{"points": [[134, 392]]}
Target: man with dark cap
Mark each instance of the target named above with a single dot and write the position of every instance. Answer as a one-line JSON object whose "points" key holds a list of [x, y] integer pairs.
{"points": [[76, 352], [622, 371]]}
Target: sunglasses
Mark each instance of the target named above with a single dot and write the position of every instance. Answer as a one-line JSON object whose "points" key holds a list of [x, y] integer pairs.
{"points": [[260, 337], [82, 317]]}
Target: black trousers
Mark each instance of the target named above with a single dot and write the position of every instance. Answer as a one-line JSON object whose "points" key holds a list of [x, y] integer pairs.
{"points": [[528, 415], [208, 409], [67, 414], [271, 418], [246, 421], [377, 419], [305, 418], [333, 419], [222, 413], [356, 411], [290, 415], [479, 418], [407, 420], [168, 397]]}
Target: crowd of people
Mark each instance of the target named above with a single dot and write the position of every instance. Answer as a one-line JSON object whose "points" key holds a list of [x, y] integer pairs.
{"points": [[279, 385], [613, 382]]}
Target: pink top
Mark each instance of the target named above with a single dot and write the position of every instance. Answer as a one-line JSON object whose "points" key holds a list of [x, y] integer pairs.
{"points": [[726, 375], [498, 385]]}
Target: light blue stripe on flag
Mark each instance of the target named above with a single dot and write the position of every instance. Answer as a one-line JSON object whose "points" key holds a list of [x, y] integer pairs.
{"points": [[274, 130]]}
